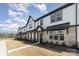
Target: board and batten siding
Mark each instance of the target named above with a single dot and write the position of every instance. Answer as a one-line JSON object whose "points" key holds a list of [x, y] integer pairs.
{"points": [[37, 23], [28, 29], [69, 14], [46, 21]]}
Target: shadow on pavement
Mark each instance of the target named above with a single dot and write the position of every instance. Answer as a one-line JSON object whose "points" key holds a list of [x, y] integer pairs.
{"points": [[53, 47]]}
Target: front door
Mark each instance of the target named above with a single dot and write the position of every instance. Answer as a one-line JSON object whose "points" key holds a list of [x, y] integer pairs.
{"points": [[37, 37], [41, 37]]}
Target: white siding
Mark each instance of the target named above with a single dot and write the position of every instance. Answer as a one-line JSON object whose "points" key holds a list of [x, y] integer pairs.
{"points": [[46, 21], [45, 36], [78, 23], [78, 12], [32, 22], [37, 23], [78, 36], [68, 16]]}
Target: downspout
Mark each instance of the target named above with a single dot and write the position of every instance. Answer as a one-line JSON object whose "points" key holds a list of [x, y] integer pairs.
{"points": [[76, 27]]}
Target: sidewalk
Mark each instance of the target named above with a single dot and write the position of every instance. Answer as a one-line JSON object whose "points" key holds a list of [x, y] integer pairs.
{"points": [[2, 48]]}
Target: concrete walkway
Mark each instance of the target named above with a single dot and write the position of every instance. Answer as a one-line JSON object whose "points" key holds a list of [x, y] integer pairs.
{"points": [[2, 47]]}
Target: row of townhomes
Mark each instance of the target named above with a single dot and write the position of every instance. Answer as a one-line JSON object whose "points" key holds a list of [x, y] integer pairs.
{"points": [[60, 26]]}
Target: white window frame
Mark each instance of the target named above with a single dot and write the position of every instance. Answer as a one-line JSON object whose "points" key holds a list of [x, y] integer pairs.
{"points": [[51, 34], [30, 25], [56, 34], [60, 34], [60, 14], [55, 16]]}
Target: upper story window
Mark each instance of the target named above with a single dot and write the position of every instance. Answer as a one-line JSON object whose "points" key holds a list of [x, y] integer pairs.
{"points": [[53, 18], [56, 16], [59, 16], [41, 22], [24, 29], [30, 26]]}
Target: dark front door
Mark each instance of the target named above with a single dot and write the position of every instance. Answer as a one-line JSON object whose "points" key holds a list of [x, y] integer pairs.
{"points": [[41, 37]]}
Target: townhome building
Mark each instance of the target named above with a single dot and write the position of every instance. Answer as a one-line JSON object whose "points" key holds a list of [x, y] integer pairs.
{"points": [[60, 26]]}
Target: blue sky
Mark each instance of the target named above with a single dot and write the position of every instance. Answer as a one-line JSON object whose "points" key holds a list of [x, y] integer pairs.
{"points": [[14, 15], [3, 12]]}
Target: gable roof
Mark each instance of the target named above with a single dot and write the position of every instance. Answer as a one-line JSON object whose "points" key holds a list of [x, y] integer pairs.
{"points": [[62, 7], [28, 21]]}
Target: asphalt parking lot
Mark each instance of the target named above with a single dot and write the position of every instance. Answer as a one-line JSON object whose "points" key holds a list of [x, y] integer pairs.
{"points": [[21, 48]]}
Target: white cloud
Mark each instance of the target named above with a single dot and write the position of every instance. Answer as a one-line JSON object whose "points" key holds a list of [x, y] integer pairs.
{"points": [[18, 19], [15, 17], [41, 7], [14, 23], [18, 15], [16, 12], [9, 27], [12, 13], [19, 7]]}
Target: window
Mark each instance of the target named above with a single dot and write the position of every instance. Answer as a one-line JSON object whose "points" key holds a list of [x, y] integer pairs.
{"points": [[59, 16], [61, 34], [56, 16], [41, 22], [53, 18], [24, 29], [55, 35], [51, 35], [30, 26]]}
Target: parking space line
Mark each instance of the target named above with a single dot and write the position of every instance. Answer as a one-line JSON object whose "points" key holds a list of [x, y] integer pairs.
{"points": [[19, 48]]}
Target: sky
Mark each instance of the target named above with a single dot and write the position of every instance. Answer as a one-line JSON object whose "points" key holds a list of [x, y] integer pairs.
{"points": [[14, 15]]}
